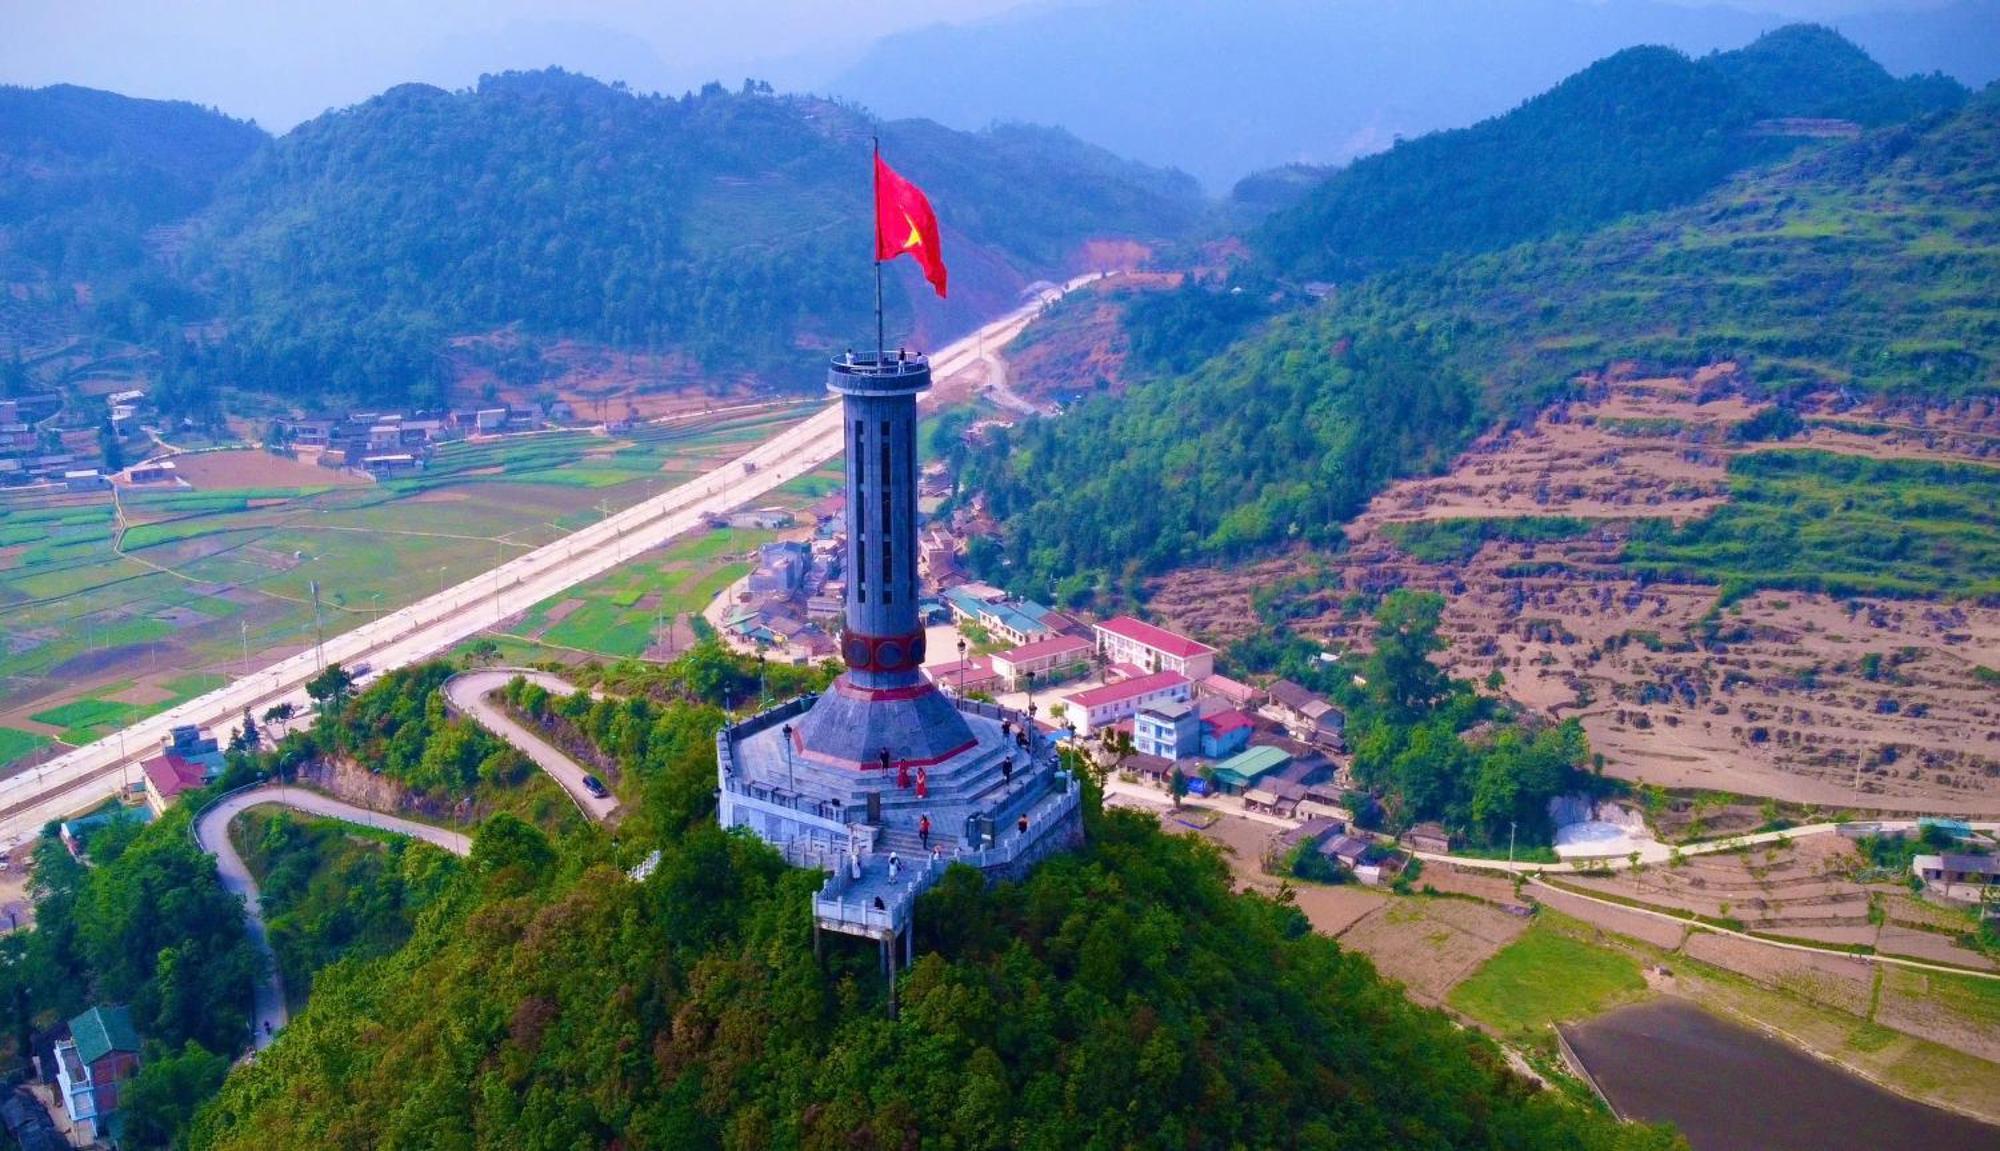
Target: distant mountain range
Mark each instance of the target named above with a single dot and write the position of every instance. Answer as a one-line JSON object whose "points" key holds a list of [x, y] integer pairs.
{"points": [[729, 228], [1863, 266], [1644, 129], [1222, 90]]}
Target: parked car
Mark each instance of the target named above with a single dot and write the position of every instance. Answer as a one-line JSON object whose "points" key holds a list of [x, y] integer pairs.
{"points": [[595, 786]]}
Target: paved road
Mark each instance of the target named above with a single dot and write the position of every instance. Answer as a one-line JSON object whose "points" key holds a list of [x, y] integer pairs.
{"points": [[81, 779], [212, 833], [467, 692]]}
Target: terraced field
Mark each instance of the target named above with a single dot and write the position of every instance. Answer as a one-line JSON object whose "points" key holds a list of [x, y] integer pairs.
{"points": [[1814, 620]]}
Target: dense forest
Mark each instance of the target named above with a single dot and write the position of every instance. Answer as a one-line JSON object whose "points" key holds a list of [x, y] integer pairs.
{"points": [[535, 996], [1866, 267], [1644, 129], [84, 174], [727, 228]]}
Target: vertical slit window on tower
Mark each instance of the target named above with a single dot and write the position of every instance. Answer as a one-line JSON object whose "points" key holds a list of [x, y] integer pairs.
{"points": [[909, 450], [887, 486]]}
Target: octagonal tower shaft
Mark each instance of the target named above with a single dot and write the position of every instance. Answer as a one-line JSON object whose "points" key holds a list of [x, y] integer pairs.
{"points": [[883, 645]]}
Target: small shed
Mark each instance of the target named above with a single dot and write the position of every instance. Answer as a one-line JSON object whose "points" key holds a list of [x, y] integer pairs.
{"points": [[1429, 835], [1241, 772]]}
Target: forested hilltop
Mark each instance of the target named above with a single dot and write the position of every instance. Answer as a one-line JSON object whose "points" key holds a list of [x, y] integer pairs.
{"points": [[729, 229], [1645, 129], [84, 175], [1121, 997], [1868, 266]]}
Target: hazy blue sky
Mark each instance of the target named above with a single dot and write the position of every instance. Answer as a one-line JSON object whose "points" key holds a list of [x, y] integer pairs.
{"points": [[282, 61]]}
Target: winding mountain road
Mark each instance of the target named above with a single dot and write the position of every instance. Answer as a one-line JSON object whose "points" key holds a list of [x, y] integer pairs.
{"points": [[467, 693], [211, 833]]}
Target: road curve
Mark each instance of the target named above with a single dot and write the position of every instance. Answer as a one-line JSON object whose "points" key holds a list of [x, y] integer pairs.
{"points": [[467, 693], [211, 832], [79, 780]]}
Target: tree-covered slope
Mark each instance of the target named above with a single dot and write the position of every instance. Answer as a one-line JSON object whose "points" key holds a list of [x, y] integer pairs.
{"points": [[1870, 266], [732, 226], [1122, 997], [84, 173], [1644, 129]]}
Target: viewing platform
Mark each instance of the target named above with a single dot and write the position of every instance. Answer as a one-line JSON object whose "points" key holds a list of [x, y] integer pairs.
{"points": [[843, 817]]}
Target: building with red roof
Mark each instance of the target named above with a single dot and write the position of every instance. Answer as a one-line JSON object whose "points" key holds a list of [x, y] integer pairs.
{"points": [[1128, 640], [963, 677], [1046, 658], [1225, 733], [167, 776], [1094, 708]]}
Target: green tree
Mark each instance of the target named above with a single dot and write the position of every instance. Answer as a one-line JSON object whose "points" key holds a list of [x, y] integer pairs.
{"points": [[1402, 679], [158, 1104], [330, 687]]}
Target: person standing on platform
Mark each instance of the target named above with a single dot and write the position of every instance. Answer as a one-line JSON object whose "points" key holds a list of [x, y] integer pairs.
{"points": [[924, 828]]}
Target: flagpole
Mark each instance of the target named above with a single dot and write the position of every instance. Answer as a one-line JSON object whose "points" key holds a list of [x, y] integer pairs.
{"points": [[875, 176]]}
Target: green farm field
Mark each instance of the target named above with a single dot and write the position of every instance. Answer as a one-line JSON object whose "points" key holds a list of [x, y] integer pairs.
{"points": [[645, 607], [116, 606]]}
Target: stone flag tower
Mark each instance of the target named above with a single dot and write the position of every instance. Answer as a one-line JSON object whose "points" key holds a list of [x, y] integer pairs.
{"points": [[881, 780], [883, 705]]}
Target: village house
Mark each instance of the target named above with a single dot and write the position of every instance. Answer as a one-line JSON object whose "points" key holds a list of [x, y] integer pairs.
{"points": [[1240, 696], [963, 677], [153, 472], [1429, 835], [1169, 729], [1224, 733], [101, 1053], [1362, 858], [167, 776], [1307, 715], [937, 557], [1049, 660], [1958, 878], [1153, 649], [1092, 709], [1242, 771], [1018, 622], [28, 1123], [781, 568]]}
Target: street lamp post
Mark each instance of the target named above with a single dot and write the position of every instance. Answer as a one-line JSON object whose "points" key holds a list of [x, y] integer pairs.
{"points": [[790, 781], [961, 667]]}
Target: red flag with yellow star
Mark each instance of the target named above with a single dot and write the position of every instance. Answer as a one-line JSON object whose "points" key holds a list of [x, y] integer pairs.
{"points": [[904, 222]]}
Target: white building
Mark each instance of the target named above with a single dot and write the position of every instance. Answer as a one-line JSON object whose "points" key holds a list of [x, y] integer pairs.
{"points": [[1153, 649]]}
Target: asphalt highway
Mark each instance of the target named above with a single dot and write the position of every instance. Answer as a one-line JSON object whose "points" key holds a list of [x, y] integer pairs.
{"points": [[81, 779]]}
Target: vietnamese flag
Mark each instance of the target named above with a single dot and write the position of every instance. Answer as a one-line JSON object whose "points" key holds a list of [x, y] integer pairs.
{"points": [[904, 222]]}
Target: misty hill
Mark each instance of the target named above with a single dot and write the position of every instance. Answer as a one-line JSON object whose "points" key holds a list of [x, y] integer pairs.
{"points": [[730, 229], [84, 173], [1222, 90], [1644, 129], [1865, 267]]}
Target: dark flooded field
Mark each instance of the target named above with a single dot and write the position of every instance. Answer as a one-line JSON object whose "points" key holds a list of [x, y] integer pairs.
{"points": [[1729, 1088]]}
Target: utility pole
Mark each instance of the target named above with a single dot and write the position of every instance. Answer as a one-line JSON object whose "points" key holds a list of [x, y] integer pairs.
{"points": [[1510, 845], [243, 627], [319, 626]]}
